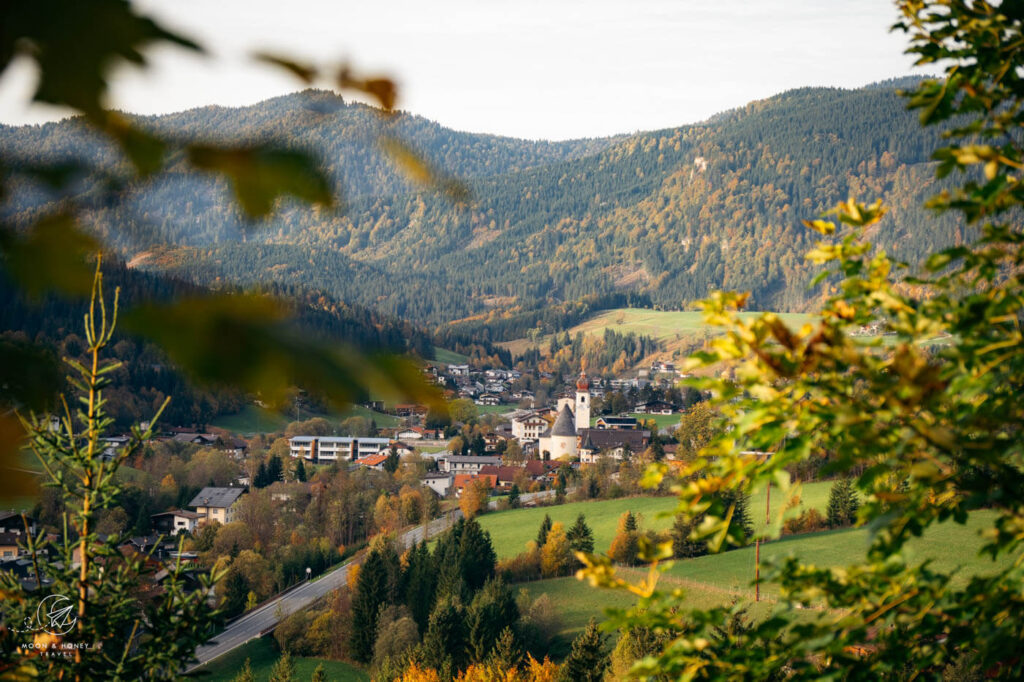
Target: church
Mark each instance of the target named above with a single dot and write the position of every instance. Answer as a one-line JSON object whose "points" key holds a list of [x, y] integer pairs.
{"points": [[573, 418]]}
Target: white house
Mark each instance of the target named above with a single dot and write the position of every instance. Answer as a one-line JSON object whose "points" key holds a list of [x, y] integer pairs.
{"points": [[333, 448], [440, 482], [176, 520], [466, 464]]}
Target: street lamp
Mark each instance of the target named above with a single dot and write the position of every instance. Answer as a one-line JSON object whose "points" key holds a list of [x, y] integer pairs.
{"points": [[309, 573]]}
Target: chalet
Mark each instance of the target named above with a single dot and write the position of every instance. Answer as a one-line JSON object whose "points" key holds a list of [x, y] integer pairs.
{"points": [[410, 410], [529, 426], [409, 434], [216, 504], [375, 462], [656, 407], [488, 399], [174, 521], [11, 522], [439, 482], [466, 464], [537, 469], [505, 476], [612, 442], [462, 480], [205, 439], [9, 549], [492, 441], [617, 423]]}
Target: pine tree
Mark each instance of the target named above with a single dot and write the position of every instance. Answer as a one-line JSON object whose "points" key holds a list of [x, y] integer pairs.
{"points": [[542, 534], [682, 546], [842, 503], [507, 652], [513, 497], [371, 593], [445, 639], [283, 670], [493, 610], [741, 511], [236, 594], [300, 471], [393, 460], [260, 479], [275, 470], [420, 585], [581, 538], [625, 548], [587, 660], [477, 555]]}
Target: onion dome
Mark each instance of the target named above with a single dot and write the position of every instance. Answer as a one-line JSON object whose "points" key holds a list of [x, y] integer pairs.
{"points": [[583, 384]]}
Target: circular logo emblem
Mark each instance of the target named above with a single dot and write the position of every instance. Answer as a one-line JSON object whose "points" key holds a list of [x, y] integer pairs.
{"points": [[55, 614]]}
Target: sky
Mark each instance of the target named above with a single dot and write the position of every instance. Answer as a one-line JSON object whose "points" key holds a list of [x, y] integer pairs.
{"points": [[539, 69]]}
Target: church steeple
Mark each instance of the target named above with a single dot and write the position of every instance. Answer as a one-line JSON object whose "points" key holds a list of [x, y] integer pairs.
{"points": [[582, 400]]}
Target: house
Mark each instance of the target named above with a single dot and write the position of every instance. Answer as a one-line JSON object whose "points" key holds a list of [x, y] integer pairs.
{"points": [[463, 480], [504, 475], [11, 522], [410, 410], [409, 434], [656, 407], [174, 521], [9, 549], [616, 423], [613, 442], [206, 439], [488, 399], [439, 482], [216, 504], [375, 462], [493, 441], [458, 370], [466, 464], [529, 426], [537, 469]]}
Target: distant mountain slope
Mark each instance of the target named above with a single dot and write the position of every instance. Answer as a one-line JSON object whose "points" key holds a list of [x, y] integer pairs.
{"points": [[669, 215]]}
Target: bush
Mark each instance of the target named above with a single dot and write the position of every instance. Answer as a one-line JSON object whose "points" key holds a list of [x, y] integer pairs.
{"points": [[809, 521], [522, 567]]}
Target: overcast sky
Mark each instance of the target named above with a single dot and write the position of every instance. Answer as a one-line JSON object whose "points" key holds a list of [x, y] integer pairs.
{"points": [[550, 69]]}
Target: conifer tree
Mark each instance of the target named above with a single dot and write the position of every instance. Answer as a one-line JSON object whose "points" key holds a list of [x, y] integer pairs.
{"points": [[371, 593], [236, 594], [260, 479], [319, 675], [581, 538], [275, 470], [842, 503], [545, 528], [625, 548], [300, 471], [587, 660], [513, 497], [445, 639], [507, 653], [420, 585], [477, 555], [682, 546], [493, 610]]}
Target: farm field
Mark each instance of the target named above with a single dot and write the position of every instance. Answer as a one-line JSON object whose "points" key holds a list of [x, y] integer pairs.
{"points": [[263, 653], [511, 530], [717, 579]]}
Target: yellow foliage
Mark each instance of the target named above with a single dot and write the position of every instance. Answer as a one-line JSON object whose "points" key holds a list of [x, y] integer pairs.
{"points": [[353, 577], [416, 674]]}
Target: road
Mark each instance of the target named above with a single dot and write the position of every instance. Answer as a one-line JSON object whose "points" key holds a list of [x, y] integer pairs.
{"points": [[526, 499], [266, 617]]}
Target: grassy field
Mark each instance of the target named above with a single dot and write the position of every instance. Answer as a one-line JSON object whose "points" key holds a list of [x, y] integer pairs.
{"points": [[716, 580], [263, 653], [449, 357], [254, 419], [662, 420], [674, 328], [511, 530]]}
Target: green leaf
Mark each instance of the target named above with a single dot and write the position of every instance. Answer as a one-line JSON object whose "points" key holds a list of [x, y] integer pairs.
{"points": [[260, 175], [52, 255]]}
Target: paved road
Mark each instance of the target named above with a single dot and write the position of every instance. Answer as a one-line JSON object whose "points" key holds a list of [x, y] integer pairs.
{"points": [[526, 498], [264, 618]]}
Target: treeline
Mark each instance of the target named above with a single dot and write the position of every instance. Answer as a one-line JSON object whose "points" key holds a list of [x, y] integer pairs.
{"points": [[146, 377]]}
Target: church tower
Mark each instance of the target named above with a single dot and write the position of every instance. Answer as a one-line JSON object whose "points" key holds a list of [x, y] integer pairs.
{"points": [[582, 402]]}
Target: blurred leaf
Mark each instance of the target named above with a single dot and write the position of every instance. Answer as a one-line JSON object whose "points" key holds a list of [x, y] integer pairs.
{"points": [[260, 175], [143, 149], [303, 72], [76, 43], [30, 375], [53, 254], [419, 170], [16, 479], [248, 341], [383, 90]]}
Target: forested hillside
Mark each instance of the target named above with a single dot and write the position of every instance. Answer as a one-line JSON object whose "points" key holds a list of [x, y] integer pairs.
{"points": [[53, 325], [658, 218]]}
